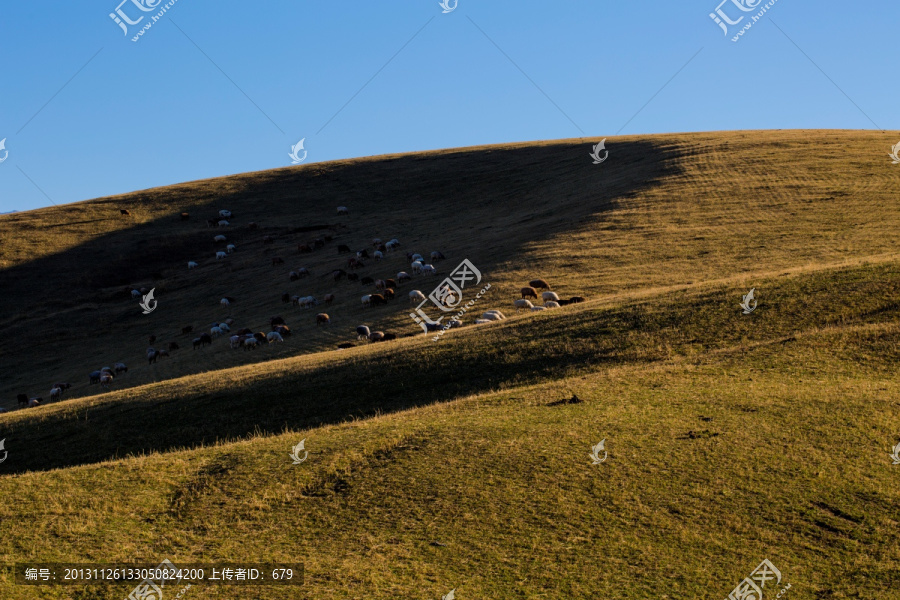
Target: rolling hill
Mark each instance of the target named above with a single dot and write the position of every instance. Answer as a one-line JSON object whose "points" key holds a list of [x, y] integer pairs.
{"points": [[463, 463]]}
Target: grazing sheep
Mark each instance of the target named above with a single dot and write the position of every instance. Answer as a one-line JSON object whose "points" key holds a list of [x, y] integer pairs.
{"points": [[322, 319], [377, 299], [273, 337], [260, 336], [367, 300], [494, 315], [293, 276], [362, 332], [219, 238], [338, 274], [529, 292], [329, 298], [276, 321], [152, 355], [522, 304], [342, 248], [223, 223], [283, 330], [376, 242], [23, 398], [393, 244], [94, 377], [575, 299], [135, 294], [390, 283], [55, 394], [435, 255], [352, 277], [205, 339], [482, 321], [224, 327], [224, 302], [235, 342], [429, 270], [548, 296], [376, 336], [404, 276], [295, 300], [537, 308], [388, 294], [285, 298], [32, 402], [389, 336], [415, 257], [343, 210], [121, 368], [277, 260], [551, 304], [417, 267], [302, 272], [197, 343], [185, 216], [367, 281], [124, 212], [539, 284], [187, 330], [308, 302], [250, 343], [378, 255], [220, 255], [192, 264], [380, 284], [229, 248], [362, 253], [346, 345], [433, 326], [225, 214], [416, 296], [564, 302]]}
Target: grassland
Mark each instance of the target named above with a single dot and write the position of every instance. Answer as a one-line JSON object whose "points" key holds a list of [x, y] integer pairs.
{"points": [[731, 437]]}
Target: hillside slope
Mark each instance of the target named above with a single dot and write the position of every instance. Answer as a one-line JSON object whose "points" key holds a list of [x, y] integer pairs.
{"points": [[663, 210]]}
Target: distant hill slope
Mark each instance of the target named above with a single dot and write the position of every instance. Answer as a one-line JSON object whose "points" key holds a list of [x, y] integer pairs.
{"points": [[662, 210]]}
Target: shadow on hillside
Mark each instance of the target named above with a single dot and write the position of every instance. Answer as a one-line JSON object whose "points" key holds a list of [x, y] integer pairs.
{"points": [[535, 191]]}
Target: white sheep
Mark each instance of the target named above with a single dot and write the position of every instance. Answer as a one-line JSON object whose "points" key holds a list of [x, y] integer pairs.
{"points": [[224, 223], [55, 393], [548, 296], [418, 257], [429, 270], [551, 304], [343, 210], [417, 267], [224, 327], [216, 331], [224, 302], [403, 276], [378, 255], [416, 296], [523, 304], [496, 312], [135, 294], [219, 238], [481, 321], [220, 255], [235, 341], [250, 342], [537, 308], [367, 300], [489, 316], [225, 214], [230, 248], [274, 336], [191, 264]]}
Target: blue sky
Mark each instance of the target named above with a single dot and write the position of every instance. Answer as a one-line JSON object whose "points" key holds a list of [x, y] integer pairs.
{"points": [[217, 88]]}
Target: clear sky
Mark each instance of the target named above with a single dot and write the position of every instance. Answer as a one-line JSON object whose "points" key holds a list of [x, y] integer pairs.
{"points": [[224, 87]]}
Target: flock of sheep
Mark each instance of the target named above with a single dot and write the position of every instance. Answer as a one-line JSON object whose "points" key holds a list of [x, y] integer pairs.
{"points": [[385, 291]]}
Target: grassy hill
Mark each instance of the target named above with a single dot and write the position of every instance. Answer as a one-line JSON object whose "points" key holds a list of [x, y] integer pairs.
{"points": [[452, 464]]}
